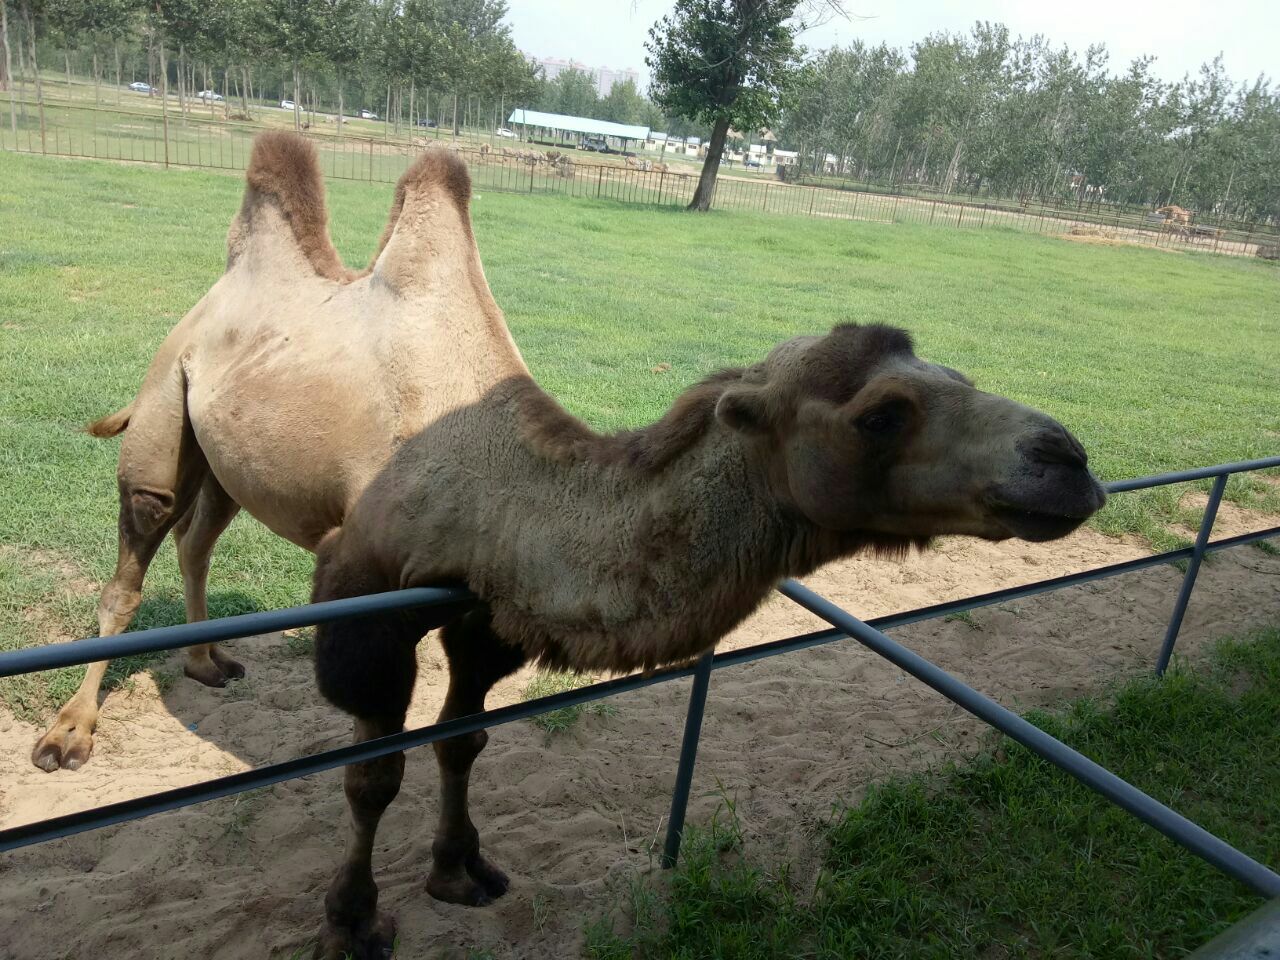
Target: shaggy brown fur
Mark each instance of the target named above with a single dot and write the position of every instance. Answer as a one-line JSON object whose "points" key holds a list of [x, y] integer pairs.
{"points": [[388, 422], [285, 168]]}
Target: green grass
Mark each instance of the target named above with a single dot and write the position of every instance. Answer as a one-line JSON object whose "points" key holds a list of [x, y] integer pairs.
{"points": [[1005, 856], [546, 683], [1156, 361]]}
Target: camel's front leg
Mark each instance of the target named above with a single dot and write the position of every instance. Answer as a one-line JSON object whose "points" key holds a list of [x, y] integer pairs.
{"points": [[477, 660], [354, 929]]}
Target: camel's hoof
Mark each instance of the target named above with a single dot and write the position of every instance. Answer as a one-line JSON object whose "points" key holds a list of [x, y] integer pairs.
{"points": [[63, 746], [474, 884], [366, 941], [231, 669], [206, 672]]}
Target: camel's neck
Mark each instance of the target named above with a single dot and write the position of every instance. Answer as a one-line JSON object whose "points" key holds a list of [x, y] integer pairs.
{"points": [[594, 558]]}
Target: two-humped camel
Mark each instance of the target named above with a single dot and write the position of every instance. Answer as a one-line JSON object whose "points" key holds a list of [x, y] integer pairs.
{"points": [[1176, 219], [387, 421]]}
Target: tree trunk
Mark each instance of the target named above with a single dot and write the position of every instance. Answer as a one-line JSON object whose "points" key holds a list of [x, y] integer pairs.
{"points": [[340, 105], [97, 79], [456, 131], [164, 99], [413, 91], [8, 69], [6, 65], [297, 95], [66, 59], [22, 76], [245, 92], [35, 68], [710, 167], [386, 117]]}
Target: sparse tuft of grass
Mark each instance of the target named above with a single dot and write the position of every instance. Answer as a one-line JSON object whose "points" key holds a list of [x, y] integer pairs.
{"points": [[1267, 547], [1006, 856], [546, 683], [301, 643], [964, 616]]}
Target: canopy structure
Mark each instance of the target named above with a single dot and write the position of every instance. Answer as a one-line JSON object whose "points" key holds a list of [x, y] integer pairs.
{"points": [[568, 124]]}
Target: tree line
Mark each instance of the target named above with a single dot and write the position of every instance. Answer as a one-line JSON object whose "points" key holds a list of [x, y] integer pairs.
{"points": [[981, 112], [984, 112], [452, 61]]}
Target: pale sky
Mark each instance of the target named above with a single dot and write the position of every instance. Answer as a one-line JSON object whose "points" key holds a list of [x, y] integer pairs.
{"points": [[1182, 34]]}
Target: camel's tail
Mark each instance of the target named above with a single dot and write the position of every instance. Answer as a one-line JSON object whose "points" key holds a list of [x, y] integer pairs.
{"points": [[284, 173], [113, 424]]}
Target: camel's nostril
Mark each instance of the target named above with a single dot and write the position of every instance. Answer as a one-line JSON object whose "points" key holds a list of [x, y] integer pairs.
{"points": [[1058, 446]]}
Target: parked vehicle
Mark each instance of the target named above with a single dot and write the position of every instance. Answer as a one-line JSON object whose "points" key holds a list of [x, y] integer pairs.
{"points": [[368, 115], [504, 132], [139, 87], [211, 95], [424, 122], [752, 162], [596, 144], [287, 105]]}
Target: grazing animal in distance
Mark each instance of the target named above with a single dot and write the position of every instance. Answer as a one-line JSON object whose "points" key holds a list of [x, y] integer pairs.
{"points": [[386, 420]]}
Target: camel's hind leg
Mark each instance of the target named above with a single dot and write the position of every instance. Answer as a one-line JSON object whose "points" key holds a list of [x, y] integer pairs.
{"points": [[161, 471], [195, 536], [477, 660]]}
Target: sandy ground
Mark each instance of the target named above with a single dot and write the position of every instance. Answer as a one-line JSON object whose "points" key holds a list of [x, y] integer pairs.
{"points": [[574, 817]]}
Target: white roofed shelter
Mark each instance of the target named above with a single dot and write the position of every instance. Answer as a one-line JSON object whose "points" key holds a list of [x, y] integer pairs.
{"points": [[560, 123]]}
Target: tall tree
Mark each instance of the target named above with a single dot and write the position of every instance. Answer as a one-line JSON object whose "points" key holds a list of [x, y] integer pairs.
{"points": [[723, 62]]}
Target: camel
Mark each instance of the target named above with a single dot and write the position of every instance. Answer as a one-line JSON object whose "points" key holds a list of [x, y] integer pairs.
{"points": [[1176, 219], [386, 420]]}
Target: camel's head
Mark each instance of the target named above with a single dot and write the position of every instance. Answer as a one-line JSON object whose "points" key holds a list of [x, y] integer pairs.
{"points": [[863, 436]]}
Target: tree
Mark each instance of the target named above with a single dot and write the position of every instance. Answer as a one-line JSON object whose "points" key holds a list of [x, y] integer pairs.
{"points": [[723, 62], [623, 104], [571, 92]]}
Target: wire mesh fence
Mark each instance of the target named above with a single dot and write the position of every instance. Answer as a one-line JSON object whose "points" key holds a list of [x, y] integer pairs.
{"points": [[144, 134]]}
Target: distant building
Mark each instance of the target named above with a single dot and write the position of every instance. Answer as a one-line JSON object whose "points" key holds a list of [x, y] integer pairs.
{"points": [[605, 77]]}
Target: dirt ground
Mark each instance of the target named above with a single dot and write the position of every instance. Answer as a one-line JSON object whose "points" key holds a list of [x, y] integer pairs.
{"points": [[573, 817]]}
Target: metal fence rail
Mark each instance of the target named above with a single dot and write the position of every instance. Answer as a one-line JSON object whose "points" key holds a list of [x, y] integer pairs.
{"points": [[448, 600], [135, 133]]}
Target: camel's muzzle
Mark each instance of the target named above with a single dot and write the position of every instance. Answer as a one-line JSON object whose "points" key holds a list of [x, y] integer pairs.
{"points": [[1053, 490]]}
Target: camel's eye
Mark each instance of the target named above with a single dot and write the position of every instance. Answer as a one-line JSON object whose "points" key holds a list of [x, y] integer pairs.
{"points": [[879, 422]]}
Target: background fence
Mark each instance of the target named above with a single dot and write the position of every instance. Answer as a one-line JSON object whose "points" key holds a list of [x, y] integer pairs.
{"points": [[142, 134]]}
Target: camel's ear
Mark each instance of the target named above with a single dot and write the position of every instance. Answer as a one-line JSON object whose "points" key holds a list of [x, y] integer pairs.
{"points": [[744, 409]]}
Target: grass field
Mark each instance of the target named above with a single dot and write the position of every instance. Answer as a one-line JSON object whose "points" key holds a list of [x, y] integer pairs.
{"points": [[1004, 855], [1156, 361]]}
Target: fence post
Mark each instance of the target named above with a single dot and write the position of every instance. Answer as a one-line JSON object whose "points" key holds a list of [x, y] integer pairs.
{"points": [[371, 159], [599, 178], [1193, 568], [688, 756]]}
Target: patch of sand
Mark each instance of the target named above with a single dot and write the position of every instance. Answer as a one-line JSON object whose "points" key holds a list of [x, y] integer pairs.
{"points": [[572, 817]]}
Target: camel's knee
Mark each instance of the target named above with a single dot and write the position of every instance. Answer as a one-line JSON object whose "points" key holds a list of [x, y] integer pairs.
{"points": [[116, 607], [373, 785], [458, 753]]}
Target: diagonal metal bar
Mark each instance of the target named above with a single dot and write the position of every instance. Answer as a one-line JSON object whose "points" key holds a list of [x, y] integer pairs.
{"points": [[1193, 570], [1173, 825]]}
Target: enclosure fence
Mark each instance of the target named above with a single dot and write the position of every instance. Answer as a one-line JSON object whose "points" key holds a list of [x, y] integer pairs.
{"points": [[75, 129], [448, 602]]}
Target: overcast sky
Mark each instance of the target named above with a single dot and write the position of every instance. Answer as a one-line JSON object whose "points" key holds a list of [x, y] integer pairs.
{"points": [[1182, 34]]}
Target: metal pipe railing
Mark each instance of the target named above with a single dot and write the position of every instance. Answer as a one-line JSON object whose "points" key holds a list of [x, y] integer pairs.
{"points": [[449, 600], [1173, 825]]}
